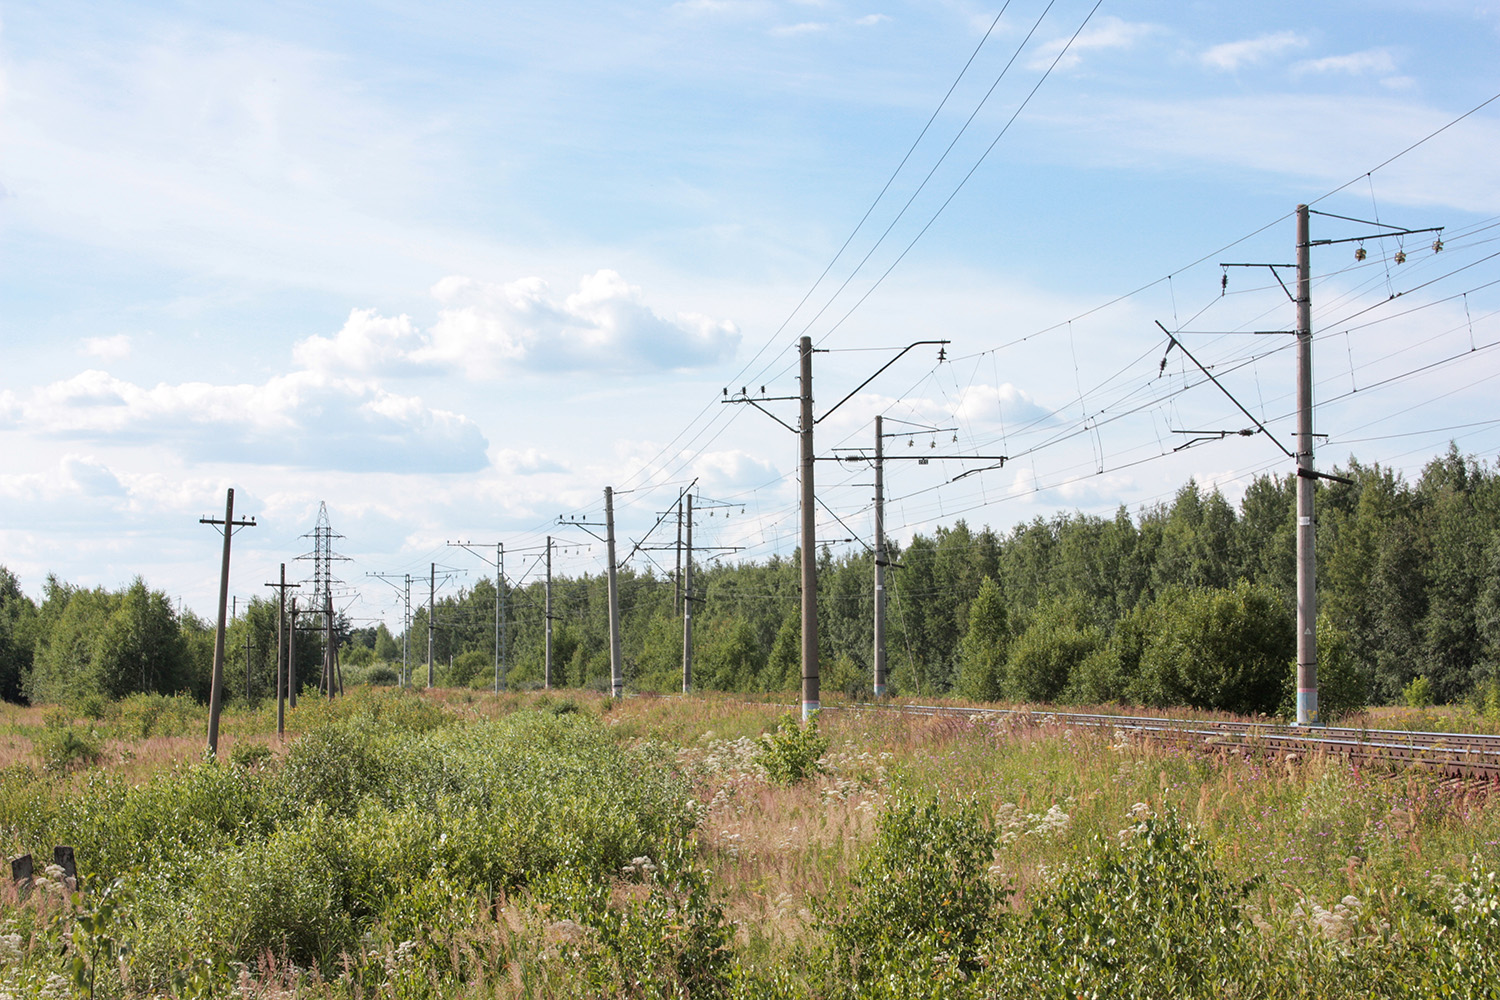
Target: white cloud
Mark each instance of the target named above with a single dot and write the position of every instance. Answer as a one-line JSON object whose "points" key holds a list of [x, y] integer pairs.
{"points": [[872, 19], [1232, 55], [527, 462], [1354, 64], [91, 477], [725, 469], [367, 343], [1006, 405], [115, 348], [485, 329], [1107, 33], [300, 419], [805, 28]]}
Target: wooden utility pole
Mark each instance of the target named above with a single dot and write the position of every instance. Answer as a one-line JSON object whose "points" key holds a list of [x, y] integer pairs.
{"points": [[216, 686], [502, 667], [281, 659], [330, 684], [687, 603]]}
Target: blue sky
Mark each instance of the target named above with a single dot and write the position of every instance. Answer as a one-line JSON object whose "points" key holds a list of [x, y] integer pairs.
{"points": [[453, 268]]}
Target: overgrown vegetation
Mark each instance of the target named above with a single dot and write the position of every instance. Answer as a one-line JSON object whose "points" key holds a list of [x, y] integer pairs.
{"points": [[490, 846]]}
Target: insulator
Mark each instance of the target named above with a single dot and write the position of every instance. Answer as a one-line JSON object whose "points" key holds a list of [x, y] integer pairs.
{"points": [[1437, 245], [1400, 256], [1359, 253]]}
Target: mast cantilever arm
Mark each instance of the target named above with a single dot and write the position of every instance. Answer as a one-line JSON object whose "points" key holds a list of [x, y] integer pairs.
{"points": [[872, 378], [1225, 391]]}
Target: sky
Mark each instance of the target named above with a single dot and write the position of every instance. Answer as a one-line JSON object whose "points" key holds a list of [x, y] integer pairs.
{"points": [[451, 269]]}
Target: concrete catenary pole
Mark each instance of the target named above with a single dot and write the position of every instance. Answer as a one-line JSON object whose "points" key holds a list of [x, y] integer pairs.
{"points": [[281, 656], [291, 657], [880, 560], [810, 703], [431, 614], [1307, 597], [406, 637], [547, 615], [687, 603], [500, 562], [616, 661], [504, 664]]}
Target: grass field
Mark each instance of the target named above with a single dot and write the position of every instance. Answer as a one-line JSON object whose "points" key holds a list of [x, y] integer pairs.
{"points": [[467, 844]]}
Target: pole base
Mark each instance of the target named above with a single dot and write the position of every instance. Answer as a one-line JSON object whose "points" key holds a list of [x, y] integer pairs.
{"points": [[809, 709], [1307, 707]]}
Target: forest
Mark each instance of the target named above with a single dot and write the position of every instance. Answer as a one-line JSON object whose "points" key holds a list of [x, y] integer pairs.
{"points": [[1187, 603]]}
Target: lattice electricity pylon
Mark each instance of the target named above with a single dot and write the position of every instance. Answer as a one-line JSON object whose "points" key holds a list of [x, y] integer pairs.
{"points": [[323, 557]]}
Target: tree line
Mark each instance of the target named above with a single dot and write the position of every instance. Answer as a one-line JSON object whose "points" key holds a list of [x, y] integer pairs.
{"points": [[1188, 602]]}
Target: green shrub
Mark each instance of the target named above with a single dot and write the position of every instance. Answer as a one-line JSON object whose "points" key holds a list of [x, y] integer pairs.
{"points": [[1418, 694], [669, 940], [790, 752], [1218, 649], [248, 754], [1151, 916], [382, 675], [922, 902], [64, 746], [1043, 657]]}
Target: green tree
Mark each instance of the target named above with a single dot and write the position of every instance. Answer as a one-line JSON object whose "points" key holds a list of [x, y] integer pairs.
{"points": [[17, 614], [731, 657], [985, 646], [1220, 649], [1057, 638]]}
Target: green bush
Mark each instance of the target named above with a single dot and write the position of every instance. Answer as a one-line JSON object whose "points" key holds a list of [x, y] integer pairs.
{"points": [[382, 675], [1218, 649], [669, 940], [1058, 638], [248, 754], [790, 752], [1151, 916], [467, 668], [64, 746], [922, 903], [1418, 694]]}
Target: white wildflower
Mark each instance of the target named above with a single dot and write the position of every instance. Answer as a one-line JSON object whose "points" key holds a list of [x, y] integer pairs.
{"points": [[10, 948], [1054, 823], [641, 866], [56, 988]]}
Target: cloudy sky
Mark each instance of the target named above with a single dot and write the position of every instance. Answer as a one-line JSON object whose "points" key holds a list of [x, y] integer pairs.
{"points": [[453, 268]]}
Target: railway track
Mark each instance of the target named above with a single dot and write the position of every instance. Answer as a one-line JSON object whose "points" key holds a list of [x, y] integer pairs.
{"points": [[1459, 755]]}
